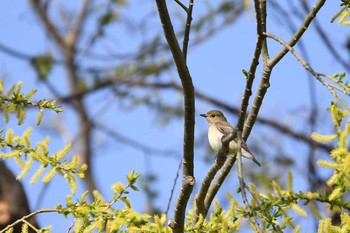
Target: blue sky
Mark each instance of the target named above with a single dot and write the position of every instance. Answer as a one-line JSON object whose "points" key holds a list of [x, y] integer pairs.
{"points": [[215, 67]]}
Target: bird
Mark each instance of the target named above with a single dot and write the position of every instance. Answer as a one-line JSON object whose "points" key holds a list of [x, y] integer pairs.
{"points": [[219, 127]]}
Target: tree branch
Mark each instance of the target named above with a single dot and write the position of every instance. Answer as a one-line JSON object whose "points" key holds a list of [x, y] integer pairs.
{"points": [[308, 68], [51, 29], [260, 21], [242, 185], [171, 85], [201, 208], [268, 66], [74, 35], [189, 106], [187, 29], [68, 50], [299, 33], [26, 217]]}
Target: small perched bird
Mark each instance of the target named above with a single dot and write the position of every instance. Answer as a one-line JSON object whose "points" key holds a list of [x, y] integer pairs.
{"points": [[219, 127]]}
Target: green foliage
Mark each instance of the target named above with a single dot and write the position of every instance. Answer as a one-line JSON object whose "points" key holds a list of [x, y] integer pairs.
{"points": [[102, 216], [325, 225], [343, 13], [43, 65], [14, 101], [220, 220], [20, 148], [24, 155], [340, 180], [275, 211]]}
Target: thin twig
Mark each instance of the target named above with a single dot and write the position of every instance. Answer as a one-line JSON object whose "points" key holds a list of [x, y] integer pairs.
{"points": [[71, 226], [268, 66], [242, 185], [299, 33], [15, 53], [171, 85], [253, 65], [135, 144], [325, 37], [187, 29], [51, 28], [173, 188], [26, 217], [308, 67], [182, 5]]}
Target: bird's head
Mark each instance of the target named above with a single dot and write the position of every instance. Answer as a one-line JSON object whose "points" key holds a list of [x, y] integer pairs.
{"points": [[214, 116]]}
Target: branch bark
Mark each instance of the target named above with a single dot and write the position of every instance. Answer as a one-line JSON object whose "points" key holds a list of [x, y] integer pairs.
{"points": [[270, 63], [201, 206], [260, 20], [188, 179]]}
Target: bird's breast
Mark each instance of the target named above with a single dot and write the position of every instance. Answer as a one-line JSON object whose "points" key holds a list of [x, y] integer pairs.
{"points": [[214, 137]]}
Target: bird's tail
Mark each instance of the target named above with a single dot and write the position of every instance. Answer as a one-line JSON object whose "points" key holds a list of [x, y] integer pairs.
{"points": [[250, 156]]}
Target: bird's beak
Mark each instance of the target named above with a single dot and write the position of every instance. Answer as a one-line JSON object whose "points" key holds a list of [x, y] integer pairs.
{"points": [[203, 115]]}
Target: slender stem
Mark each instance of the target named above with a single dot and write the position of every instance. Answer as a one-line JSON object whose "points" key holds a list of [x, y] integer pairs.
{"points": [[253, 65], [308, 67], [182, 5], [269, 64], [23, 219], [187, 29], [242, 185], [299, 33]]}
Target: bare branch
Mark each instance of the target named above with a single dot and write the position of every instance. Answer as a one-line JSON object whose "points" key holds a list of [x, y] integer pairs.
{"points": [[187, 29], [15, 53], [48, 24], [170, 85], [268, 66], [261, 27], [189, 106], [69, 52], [308, 67], [74, 35], [135, 144], [182, 5], [326, 40], [299, 33], [173, 188], [214, 188], [242, 184], [201, 208], [28, 216]]}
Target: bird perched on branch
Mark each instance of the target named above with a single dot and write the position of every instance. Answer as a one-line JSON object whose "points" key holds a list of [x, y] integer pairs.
{"points": [[219, 127]]}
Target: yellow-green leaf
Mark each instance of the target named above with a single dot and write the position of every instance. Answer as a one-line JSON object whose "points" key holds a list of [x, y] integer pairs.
{"points": [[37, 174], [118, 187], [327, 164], [25, 169], [49, 175], [323, 138], [336, 193], [298, 209]]}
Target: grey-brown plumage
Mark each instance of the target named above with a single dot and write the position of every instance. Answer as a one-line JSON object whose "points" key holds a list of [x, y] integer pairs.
{"points": [[219, 127]]}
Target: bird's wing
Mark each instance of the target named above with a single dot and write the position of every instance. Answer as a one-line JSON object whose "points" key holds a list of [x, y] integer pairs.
{"points": [[245, 147], [224, 127]]}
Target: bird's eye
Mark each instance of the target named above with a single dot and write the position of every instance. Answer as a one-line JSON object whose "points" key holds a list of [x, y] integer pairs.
{"points": [[213, 115]]}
